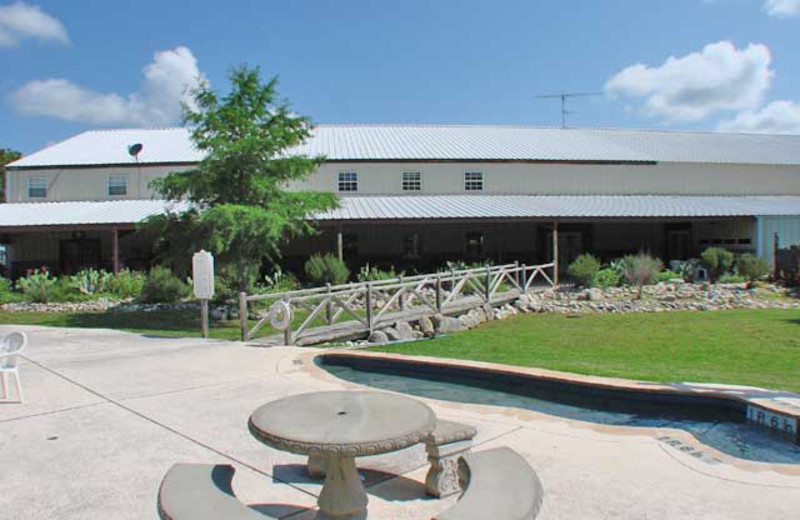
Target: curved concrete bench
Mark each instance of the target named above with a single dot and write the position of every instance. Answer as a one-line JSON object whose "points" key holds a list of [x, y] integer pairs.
{"points": [[202, 492], [448, 442], [500, 484]]}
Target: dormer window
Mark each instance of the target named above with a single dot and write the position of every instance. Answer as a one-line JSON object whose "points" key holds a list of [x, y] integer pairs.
{"points": [[473, 181], [348, 181], [412, 181], [117, 185], [37, 188]]}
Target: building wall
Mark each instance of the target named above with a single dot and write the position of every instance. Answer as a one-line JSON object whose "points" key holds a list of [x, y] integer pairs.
{"points": [[787, 230], [447, 178]]}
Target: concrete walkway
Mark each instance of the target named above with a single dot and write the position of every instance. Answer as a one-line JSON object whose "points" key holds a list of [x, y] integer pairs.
{"points": [[107, 413]]}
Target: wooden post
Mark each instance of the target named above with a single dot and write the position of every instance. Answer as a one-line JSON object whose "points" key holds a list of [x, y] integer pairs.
{"points": [[329, 305], [287, 332], [340, 245], [402, 297], [524, 280], [204, 318], [488, 285], [438, 294], [516, 271], [115, 250], [368, 305], [243, 315], [555, 253]]}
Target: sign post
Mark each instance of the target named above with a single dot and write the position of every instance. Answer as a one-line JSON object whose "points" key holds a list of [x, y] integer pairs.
{"points": [[203, 281]]}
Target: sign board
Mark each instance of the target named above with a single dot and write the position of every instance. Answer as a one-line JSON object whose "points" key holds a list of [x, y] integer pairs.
{"points": [[203, 275]]}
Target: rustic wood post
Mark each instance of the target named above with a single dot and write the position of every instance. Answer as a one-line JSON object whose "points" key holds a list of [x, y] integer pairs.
{"points": [[115, 250], [516, 271], [243, 315], [555, 253], [328, 305], [368, 305], [524, 284], [287, 332], [340, 245], [488, 285], [438, 294], [401, 298], [204, 318]]}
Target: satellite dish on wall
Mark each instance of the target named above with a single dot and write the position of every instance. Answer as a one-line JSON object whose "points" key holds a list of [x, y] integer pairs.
{"points": [[135, 149]]}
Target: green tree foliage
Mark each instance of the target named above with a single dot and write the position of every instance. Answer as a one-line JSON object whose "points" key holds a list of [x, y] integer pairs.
{"points": [[751, 267], [584, 269], [244, 211], [7, 155]]}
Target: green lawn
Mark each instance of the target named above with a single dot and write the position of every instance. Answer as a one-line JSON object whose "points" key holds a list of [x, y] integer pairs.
{"points": [[749, 347]]}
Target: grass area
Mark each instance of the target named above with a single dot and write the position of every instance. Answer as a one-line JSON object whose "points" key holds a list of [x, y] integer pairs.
{"points": [[748, 347]]}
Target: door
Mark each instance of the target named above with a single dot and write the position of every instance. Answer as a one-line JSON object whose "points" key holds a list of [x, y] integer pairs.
{"points": [[77, 254], [679, 244]]}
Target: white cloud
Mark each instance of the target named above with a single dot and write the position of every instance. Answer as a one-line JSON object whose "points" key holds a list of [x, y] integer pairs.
{"points": [[20, 20], [168, 81], [778, 117], [692, 87], [782, 8]]}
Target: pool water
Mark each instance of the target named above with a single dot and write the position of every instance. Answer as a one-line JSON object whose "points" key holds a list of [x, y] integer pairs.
{"points": [[720, 424]]}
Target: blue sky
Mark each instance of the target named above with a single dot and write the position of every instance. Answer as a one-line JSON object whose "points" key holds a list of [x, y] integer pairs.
{"points": [[733, 64]]}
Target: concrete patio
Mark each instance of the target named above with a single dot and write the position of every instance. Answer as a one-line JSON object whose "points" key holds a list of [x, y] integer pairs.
{"points": [[107, 413]]}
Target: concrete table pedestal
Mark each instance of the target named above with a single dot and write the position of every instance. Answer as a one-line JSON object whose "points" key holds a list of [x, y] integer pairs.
{"points": [[333, 428]]}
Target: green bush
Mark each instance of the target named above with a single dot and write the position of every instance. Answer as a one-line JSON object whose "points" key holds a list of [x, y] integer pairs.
{"points": [[368, 273], [162, 286], [641, 270], [91, 281], [278, 281], [322, 269], [584, 269], [717, 261], [38, 286], [731, 278], [607, 277], [751, 267], [126, 284], [666, 276], [7, 294]]}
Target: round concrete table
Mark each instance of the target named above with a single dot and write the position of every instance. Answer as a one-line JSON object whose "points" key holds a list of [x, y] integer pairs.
{"points": [[340, 426]]}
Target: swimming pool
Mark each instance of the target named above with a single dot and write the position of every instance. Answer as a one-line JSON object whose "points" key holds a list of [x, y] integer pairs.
{"points": [[715, 421]]}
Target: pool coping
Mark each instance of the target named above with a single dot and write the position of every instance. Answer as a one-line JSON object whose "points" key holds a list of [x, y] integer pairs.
{"points": [[772, 409]]}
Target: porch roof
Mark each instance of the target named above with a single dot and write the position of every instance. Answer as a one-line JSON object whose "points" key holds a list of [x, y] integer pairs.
{"points": [[114, 212], [560, 206]]}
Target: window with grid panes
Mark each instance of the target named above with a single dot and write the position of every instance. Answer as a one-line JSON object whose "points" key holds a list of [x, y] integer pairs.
{"points": [[473, 181], [348, 181]]}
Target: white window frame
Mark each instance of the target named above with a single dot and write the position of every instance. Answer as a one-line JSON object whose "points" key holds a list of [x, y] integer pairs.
{"points": [[408, 182], [117, 177], [38, 180], [347, 182], [473, 181]]}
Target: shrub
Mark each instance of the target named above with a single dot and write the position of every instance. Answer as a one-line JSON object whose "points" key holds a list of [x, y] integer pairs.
{"points": [[751, 267], [731, 278], [584, 269], [278, 281], [641, 270], [606, 278], [322, 269], [666, 276], [368, 273], [126, 284], [38, 286], [7, 294], [162, 286], [717, 261], [91, 281]]}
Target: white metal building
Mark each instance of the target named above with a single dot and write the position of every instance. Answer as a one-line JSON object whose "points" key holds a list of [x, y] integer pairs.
{"points": [[415, 194]]}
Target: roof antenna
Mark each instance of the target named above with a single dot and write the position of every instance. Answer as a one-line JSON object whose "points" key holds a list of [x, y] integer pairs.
{"points": [[564, 96]]}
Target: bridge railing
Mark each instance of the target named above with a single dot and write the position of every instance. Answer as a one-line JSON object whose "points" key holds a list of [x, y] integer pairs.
{"points": [[369, 305]]}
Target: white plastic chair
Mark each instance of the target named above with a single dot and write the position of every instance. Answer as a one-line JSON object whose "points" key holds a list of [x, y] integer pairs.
{"points": [[10, 347]]}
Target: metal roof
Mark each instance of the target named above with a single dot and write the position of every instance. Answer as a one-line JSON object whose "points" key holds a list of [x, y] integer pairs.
{"points": [[28, 214], [559, 206], [443, 142]]}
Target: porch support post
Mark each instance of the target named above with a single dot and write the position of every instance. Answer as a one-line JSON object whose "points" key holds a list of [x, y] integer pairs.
{"points": [[555, 253], [115, 250], [339, 245]]}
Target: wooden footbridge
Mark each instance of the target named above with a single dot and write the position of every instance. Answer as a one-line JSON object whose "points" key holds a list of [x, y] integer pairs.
{"points": [[353, 311]]}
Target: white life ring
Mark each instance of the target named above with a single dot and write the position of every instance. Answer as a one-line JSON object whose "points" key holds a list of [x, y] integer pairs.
{"points": [[280, 315]]}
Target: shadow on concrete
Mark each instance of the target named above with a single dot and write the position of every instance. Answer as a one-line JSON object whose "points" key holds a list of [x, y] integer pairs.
{"points": [[278, 510]]}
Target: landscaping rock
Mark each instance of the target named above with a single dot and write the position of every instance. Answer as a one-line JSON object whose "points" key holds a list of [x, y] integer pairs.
{"points": [[446, 324], [426, 326], [378, 337]]}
